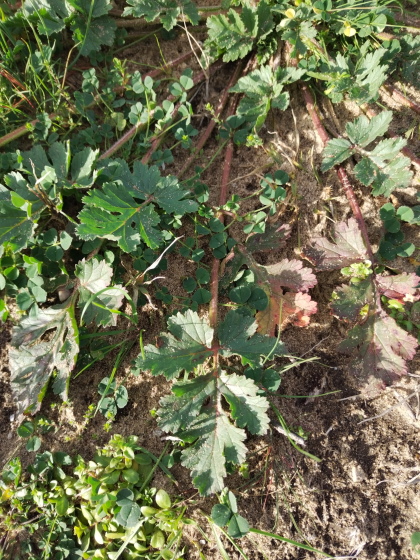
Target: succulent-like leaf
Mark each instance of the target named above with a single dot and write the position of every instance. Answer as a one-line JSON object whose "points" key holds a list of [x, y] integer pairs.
{"points": [[34, 357], [348, 247]]}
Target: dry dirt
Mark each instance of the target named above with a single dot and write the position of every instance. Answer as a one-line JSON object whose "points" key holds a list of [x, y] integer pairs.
{"points": [[361, 499]]}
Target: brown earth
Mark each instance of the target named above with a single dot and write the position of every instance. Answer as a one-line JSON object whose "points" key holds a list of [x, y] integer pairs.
{"points": [[361, 499]]}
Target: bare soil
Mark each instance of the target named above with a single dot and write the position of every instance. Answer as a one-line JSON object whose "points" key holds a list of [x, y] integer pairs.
{"points": [[361, 499]]}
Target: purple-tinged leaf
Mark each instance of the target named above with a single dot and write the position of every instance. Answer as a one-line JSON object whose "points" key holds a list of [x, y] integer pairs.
{"points": [[273, 238], [381, 348], [402, 286], [292, 275], [348, 247]]}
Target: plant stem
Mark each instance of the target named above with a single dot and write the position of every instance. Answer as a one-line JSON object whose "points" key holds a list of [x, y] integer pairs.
{"points": [[210, 127], [214, 282], [341, 172], [21, 131], [399, 96], [140, 126]]}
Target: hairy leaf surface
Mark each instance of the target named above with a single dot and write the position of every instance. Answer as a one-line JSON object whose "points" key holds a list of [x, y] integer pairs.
{"points": [[195, 413], [167, 10], [348, 247], [36, 353]]}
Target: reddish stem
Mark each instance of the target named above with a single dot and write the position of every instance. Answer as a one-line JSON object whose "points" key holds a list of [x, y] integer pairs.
{"points": [[341, 173], [399, 96], [207, 132], [21, 131], [141, 126], [214, 283]]}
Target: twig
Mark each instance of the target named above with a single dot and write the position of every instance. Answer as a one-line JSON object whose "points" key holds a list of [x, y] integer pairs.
{"points": [[209, 129], [389, 409], [341, 173], [21, 131], [399, 96], [299, 440]]}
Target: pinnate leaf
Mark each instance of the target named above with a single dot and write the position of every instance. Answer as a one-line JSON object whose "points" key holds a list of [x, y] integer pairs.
{"points": [[233, 34], [214, 439], [167, 10]]}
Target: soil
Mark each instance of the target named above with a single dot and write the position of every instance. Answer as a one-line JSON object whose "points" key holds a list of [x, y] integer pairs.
{"points": [[360, 499]]}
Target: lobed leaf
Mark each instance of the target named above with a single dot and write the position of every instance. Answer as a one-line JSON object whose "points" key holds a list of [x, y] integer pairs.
{"points": [[168, 11], [34, 357], [182, 349], [195, 413], [348, 247]]}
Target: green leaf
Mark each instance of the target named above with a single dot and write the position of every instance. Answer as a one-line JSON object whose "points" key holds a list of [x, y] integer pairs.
{"points": [[233, 34], [363, 131], [221, 514], [167, 10], [207, 427], [237, 335], [336, 151], [34, 358], [92, 35], [33, 444], [112, 213], [129, 515], [238, 526], [26, 429], [97, 298], [183, 348]]}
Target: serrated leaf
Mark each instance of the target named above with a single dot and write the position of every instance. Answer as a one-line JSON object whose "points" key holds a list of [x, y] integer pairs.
{"points": [[34, 357], [168, 11], [348, 247], [214, 439], [91, 36], [263, 90], [336, 151], [274, 237], [183, 348], [401, 286], [349, 300], [237, 335], [233, 34], [395, 174], [380, 348], [93, 275], [112, 213], [363, 131]]}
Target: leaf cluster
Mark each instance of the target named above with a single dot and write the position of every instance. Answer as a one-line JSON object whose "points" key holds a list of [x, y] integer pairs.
{"points": [[90, 509]]}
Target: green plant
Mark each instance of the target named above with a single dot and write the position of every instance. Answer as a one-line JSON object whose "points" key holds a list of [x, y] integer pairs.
{"points": [[100, 508]]}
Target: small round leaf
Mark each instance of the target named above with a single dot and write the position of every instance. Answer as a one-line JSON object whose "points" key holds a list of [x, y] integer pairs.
{"points": [[221, 514]]}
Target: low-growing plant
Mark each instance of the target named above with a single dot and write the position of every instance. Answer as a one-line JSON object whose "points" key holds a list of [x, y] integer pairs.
{"points": [[101, 508]]}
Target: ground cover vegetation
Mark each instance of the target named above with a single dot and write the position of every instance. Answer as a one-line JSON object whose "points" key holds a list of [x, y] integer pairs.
{"points": [[90, 219]]}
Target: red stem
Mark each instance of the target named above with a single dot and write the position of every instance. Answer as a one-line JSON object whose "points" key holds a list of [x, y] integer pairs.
{"points": [[341, 173], [214, 283], [141, 126], [21, 131], [170, 65], [207, 132], [399, 96]]}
